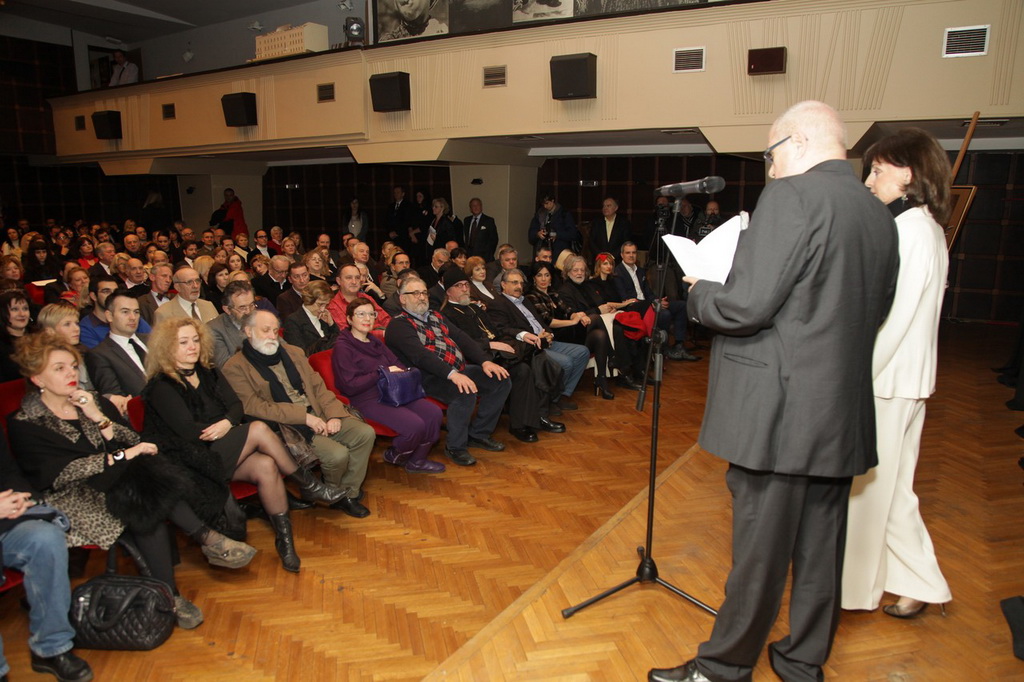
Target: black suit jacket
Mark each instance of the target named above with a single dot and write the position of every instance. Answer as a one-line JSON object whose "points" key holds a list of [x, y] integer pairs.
{"points": [[112, 371], [299, 332], [265, 286], [507, 319], [484, 241], [624, 283], [253, 252], [599, 241]]}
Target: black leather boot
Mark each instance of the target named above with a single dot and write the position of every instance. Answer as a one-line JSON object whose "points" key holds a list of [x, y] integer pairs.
{"points": [[312, 488], [285, 542]]}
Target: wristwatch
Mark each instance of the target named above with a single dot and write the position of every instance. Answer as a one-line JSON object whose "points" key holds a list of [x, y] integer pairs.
{"points": [[118, 455]]}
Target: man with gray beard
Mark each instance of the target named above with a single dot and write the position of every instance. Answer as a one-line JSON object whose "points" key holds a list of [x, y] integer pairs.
{"points": [[276, 384]]}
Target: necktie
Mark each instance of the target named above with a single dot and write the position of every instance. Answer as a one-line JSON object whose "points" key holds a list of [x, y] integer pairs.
{"points": [[472, 230], [195, 313], [139, 350]]}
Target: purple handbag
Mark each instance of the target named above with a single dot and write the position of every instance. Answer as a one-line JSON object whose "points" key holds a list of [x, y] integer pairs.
{"points": [[399, 388]]}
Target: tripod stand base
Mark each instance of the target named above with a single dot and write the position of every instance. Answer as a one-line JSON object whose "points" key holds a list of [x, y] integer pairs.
{"points": [[646, 572]]}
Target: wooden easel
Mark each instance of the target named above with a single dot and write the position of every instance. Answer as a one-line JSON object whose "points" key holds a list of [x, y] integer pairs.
{"points": [[961, 196]]}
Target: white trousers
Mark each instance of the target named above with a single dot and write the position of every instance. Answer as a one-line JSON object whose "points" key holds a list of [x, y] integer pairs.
{"points": [[888, 549]]}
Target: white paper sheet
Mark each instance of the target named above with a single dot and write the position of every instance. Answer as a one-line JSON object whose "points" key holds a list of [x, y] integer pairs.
{"points": [[711, 259]]}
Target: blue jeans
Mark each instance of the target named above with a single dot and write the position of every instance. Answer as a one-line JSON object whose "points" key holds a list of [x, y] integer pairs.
{"points": [[573, 359], [38, 549]]}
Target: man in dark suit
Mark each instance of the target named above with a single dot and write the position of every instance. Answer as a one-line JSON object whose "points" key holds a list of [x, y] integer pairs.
{"points": [[159, 286], [290, 300], [431, 272], [105, 252], [790, 401], [323, 242], [631, 282], [262, 246], [481, 234], [402, 215], [515, 316], [529, 401], [274, 281], [611, 232], [117, 364]]}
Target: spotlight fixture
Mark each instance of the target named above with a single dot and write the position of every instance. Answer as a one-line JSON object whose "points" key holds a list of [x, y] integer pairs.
{"points": [[355, 31]]}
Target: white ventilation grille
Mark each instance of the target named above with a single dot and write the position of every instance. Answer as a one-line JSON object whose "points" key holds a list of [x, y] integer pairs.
{"points": [[688, 60], [966, 41], [495, 76]]}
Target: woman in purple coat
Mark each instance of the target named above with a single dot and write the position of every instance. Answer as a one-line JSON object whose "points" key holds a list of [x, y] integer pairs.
{"points": [[357, 357]]}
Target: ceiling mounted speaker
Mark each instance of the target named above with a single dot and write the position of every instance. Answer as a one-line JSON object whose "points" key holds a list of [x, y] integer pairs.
{"points": [[390, 91], [239, 109], [574, 76], [107, 125]]}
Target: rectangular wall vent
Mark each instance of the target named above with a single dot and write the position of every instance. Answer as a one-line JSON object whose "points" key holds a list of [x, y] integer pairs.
{"points": [[495, 76], [79, 122], [167, 110], [966, 41], [325, 92], [688, 60]]}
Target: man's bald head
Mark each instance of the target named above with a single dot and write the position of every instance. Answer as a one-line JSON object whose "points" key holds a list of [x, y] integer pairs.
{"points": [[813, 132]]}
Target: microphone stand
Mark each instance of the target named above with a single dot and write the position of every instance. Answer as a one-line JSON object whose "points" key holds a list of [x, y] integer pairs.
{"points": [[647, 570]]}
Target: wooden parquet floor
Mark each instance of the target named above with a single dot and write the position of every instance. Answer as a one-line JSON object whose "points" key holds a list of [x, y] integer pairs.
{"points": [[463, 575]]}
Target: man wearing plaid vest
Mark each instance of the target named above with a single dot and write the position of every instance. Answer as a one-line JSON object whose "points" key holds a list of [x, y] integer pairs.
{"points": [[455, 371]]}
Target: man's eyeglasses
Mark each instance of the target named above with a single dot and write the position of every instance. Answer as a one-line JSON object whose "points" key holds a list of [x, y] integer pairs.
{"points": [[769, 154], [190, 282], [417, 294], [248, 308]]}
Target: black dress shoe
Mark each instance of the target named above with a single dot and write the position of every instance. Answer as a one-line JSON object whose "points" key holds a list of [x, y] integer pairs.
{"points": [[626, 381], [351, 507], [525, 434], [485, 444], [460, 457], [687, 672], [66, 667], [550, 426]]}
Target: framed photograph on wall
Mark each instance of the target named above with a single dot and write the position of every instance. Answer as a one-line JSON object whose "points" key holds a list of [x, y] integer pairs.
{"points": [[405, 19]]}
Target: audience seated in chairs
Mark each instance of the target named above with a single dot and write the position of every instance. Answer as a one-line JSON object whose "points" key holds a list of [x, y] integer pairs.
{"points": [[579, 295], [358, 358], [311, 327], [186, 400], [631, 282], [276, 384], [536, 378], [455, 370], [515, 316], [571, 327], [75, 450]]}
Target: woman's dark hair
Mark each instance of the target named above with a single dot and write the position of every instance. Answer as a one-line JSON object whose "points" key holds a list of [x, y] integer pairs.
{"points": [[76, 246], [928, 162], [537, 267], [7, 240], [458, 251], [211, 276], [8, 298]]}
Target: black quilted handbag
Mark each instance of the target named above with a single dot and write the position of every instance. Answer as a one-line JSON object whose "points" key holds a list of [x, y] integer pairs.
{"points": [[122, 612]]}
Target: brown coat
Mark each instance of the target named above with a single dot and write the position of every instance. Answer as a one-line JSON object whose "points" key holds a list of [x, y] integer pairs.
{"points": [[254, 392]]}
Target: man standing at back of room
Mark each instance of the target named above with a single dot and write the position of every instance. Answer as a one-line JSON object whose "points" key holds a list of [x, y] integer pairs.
{"points": [[790, 402]]}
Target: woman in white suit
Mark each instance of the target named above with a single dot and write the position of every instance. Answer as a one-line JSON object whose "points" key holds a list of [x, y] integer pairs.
{"points": [[888, 548]]}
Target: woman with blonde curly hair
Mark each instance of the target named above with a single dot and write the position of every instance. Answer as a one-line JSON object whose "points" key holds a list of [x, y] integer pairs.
{"points": [[185, 397]]}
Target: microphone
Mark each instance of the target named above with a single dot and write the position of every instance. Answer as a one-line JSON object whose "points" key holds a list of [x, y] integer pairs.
{"points": [[708, 185]]}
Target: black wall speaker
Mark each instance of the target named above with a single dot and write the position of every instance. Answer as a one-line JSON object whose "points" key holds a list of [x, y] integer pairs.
{"points": [[239, 109], [107, 125], [390, 91], [574, 76], [766, 61]]}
